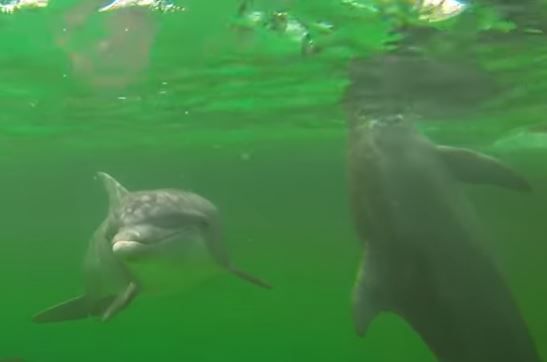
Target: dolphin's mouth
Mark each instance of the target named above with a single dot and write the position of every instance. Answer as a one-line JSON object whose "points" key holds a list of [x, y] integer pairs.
{"points": [[132, 249]]}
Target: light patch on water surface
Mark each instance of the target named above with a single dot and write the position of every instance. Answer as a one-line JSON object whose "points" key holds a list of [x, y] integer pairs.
{"points": [[115, 59], [439, 10], [15, 5], [160, 5]]}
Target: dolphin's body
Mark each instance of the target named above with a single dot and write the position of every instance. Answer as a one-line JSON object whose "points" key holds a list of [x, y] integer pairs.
{"points": [[422, 259], [151, 242]]}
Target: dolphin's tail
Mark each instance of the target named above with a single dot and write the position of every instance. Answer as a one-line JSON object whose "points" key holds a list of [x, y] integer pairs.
{"points": [[74, 309]]}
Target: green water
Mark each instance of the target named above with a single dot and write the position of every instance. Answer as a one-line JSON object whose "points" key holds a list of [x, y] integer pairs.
{"points": [[258, 129]]}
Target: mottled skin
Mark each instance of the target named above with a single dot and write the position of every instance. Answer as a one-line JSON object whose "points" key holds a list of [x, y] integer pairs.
{"points": [[151, 242], [422, 259]]}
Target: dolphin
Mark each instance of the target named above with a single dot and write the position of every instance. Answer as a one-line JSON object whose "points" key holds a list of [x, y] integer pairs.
{"points": [[151, 242], [422, 256]]}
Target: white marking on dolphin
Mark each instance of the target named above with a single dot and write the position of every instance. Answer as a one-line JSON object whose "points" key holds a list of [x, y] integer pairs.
{"points": [[422, 259], [151, 242]]}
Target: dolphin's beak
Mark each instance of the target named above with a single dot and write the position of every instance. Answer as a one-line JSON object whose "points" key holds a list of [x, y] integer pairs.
{"points": [[128, 249], [130, 245]]}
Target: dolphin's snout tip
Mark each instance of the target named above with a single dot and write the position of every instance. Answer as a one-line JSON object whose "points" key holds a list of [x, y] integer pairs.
{"points": [[123, 244]]}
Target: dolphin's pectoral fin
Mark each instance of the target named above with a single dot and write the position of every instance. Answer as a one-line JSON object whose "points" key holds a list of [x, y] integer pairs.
{"points": [[365, 303], [476, 168], [120, 302], [248, 277], [221, 256], [76, 308], [73, 309]]}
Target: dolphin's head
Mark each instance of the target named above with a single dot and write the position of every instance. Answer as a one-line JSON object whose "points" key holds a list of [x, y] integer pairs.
{"points": [[159, 233], [159, 223], [155, 223], [391, 133]]}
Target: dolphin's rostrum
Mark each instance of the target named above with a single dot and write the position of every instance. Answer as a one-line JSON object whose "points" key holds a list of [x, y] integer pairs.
{"points": [[151, 241]]}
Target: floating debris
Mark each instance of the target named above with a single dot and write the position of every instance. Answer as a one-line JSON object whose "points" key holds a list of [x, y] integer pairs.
{"points": [[315, 35], [283, 23]]}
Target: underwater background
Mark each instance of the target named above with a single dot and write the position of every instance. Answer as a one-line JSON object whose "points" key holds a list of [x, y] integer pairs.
{"points": [[211, 97]]}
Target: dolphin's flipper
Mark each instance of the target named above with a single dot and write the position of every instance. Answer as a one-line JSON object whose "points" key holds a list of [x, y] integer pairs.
{"points": [[77, 308], [365, 306], [116, 192], [221, 256], [120, 302], [248, 277], [476, 168]]}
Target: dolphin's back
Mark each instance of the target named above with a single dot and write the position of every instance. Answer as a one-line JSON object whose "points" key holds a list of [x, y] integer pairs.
{"points": [[421, 257]]}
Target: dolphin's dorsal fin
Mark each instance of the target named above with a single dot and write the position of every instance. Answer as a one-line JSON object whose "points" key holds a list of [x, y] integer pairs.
{"points": [[476, 168], [116, 192]]}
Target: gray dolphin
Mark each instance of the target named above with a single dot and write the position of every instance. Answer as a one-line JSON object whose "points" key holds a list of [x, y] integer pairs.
{"points": [[151, 242], [422, 258]]}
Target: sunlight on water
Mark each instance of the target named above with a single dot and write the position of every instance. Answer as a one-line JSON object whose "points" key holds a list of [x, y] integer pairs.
{"points": [[15, 5]]}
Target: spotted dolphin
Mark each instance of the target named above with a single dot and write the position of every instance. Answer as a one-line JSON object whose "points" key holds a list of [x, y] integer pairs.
{"points": [[150, 242], [422, 257]]}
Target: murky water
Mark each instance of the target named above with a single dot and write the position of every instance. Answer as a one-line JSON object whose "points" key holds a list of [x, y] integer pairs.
{"points": [[212, 97]]}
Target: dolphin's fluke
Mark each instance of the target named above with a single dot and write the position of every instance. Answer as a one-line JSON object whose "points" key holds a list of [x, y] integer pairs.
{"points": [[364, 308], [476, 168], [77, 308], [248, 277]]}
